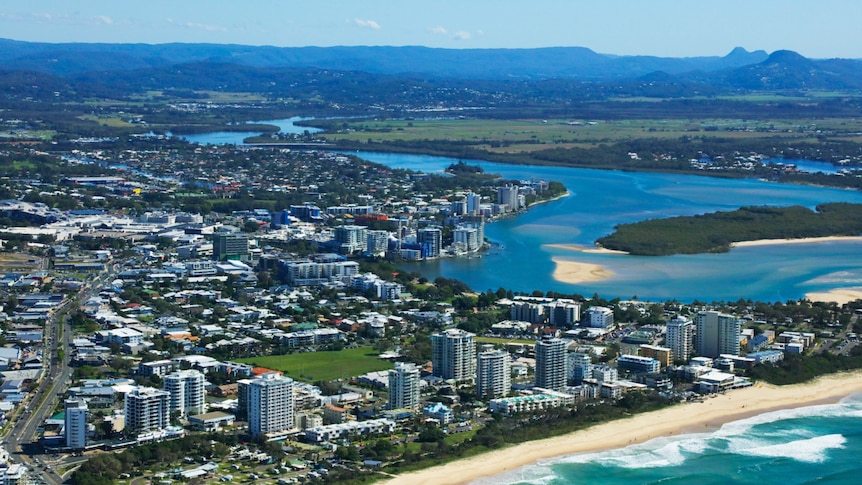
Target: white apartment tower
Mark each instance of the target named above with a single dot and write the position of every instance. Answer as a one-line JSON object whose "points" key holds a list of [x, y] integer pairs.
{"points": [[453, 355], [680, 338], [580, 367], [716, 334], [76, 423], [404, 386], [493, 374], [147, 409], [270, 404], [473, 202], [599, 317], [551, 364], [188, 395]]}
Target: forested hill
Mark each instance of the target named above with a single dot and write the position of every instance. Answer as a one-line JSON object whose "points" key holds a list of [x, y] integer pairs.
{"points": [[490, 64], [715, 232]]}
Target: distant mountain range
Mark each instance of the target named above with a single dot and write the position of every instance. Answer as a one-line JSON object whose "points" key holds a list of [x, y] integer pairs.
{"points": [[100, 68]]}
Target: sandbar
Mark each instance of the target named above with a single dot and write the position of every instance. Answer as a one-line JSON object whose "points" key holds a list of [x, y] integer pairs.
{"points": [[575, 272], [838, 295], [584, 249], [804, 240], [693, 417]]}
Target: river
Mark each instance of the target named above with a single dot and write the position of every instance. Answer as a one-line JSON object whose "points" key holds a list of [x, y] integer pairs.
{"points": [[601, 199]]}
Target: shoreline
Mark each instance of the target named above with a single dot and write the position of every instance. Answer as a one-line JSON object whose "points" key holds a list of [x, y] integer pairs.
{"points": [[802, 240], [584, 249], [686, 418], [576, 272]]}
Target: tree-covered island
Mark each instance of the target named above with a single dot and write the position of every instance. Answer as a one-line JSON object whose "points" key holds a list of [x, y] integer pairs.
{"points": [[715, 232]]}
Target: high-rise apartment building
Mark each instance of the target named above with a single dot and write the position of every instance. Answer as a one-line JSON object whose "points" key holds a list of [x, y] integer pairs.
{"points": [[551, 364], [146, 409], [351, 238], [716, 334], [493, 374], [76, 423], [580, 367], [453, 355], [188, 396], [431, 241], [509, 196], [404, 386], [679, 338], [270, 405]]}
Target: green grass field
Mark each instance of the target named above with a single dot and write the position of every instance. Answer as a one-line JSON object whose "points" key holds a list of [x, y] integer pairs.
{"points": [[323, 366], [520, 136]]}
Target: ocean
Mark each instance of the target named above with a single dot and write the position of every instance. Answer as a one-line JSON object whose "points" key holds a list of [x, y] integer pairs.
{"points": [[816, 444]]}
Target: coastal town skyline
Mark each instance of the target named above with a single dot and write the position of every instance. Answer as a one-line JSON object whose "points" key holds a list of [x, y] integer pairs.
{"points": [[622, 27]]}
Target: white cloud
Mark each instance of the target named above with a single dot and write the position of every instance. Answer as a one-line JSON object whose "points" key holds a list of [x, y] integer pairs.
{"points": [[198, 26], [462, 35], [439, 30], [103, 19], [367, 23]]}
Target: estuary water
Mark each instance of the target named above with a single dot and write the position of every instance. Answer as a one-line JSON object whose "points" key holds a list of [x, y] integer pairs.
{"points": [[601, 199], [818, 444], [236, 138]]}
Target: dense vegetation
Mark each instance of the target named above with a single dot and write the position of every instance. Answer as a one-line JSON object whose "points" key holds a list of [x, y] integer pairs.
{"points": [[715, 232], [795, 369]]}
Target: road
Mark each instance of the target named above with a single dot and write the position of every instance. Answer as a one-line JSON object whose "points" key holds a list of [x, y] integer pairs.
{"points": [[52, 386]]}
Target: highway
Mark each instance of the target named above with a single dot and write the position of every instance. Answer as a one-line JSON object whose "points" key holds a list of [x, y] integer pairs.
{"points": [[20, 439]]}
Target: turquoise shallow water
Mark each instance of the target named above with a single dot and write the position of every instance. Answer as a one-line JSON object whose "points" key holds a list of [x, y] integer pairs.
{"points": [[819, 444], [601, 199]]}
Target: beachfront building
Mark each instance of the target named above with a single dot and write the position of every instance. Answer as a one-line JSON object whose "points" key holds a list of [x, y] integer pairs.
{"points": [[270, 405], [580, 367], [186, 388], [493, 374], [146, 409], [453, 355], [75, 423], [599, 317], [524, 404], [636, 364], [349, 430], [404, 386], [551, 363], [716, 333], [680, 338]]}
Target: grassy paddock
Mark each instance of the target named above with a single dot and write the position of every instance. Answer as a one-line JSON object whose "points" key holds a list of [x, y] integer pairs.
{"points": [[324, 365], [520, 136]]}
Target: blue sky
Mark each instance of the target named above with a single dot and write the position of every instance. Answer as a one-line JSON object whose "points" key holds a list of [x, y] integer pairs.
{"points": [[822, 29]]}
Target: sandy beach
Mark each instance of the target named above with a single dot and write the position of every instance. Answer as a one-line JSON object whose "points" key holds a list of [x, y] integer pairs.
{"points": [[805, 240], [681, 419], [575, 272], [838, 295]]}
